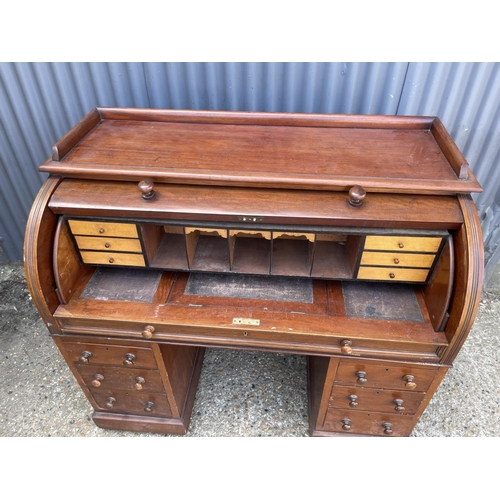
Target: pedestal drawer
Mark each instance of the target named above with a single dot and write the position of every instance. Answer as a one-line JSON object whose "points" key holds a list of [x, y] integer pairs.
{"points": [[378, 400], [104, 354], [103, 378], [400, 377], [139, 403], [372, 423]]}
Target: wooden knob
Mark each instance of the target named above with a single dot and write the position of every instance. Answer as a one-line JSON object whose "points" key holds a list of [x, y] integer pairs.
{"points": [[396, 261], [85, 357], [129, 359], [346, 424], [110, 402], [146, 187], [387, 428], [149, 406], [148, 331], [101, 230], [353, 401], [107, 245], [139, 383], [392, 276], [399, 405], [346, 347], [98, 378], [111, 260], [356, 196], [361, 377], [410, 384], [401, 245]]}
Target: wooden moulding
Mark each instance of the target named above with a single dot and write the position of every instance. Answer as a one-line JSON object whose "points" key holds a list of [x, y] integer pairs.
{"points": [[224, 204], [38, 254], [66, 143]]}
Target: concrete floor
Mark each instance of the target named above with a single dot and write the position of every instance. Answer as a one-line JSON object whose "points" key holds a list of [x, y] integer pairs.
{"points": [[241, 393]]}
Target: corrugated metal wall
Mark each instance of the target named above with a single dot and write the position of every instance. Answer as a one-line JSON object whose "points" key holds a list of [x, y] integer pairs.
{"points": [[39, 102]]}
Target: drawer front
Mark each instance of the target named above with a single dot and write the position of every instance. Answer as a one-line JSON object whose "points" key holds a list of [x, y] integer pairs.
{"points": [[372, 423], [115, 229], [399, 377], [100, 378], [429, 244], [113, 258], [103, 354], [108, 244], [420, 260], [142, 403], [378, 400], [392, 274]]}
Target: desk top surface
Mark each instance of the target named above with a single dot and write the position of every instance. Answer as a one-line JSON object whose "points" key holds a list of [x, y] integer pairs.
{"points": [[276, 150]]}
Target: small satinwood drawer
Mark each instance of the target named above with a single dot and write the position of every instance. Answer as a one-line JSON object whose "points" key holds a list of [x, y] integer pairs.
{"points": [[379, 400], [108, 244], [392, 274], [104, 378], [429, 244], [103, 354], [372, 423], [140, 403], [113, 258], [110, 229], [390, 259], [399, 377]]}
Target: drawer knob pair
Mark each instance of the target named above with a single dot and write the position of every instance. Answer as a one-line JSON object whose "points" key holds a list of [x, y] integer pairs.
{"points": [[148, 407]]}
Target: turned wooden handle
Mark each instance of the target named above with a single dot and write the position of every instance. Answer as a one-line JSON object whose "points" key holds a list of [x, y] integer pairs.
{"points": [[346, 347], [356, 196], [361, 377], [399, 405], [85, 357], [139, 383], [148, 331], [98, 378], [387, 428], [410, 384], [129, 359], [146, 187], [346, 424]]}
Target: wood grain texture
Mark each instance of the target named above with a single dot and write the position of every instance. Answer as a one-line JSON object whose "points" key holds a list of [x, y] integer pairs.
{"points": [[275, 206], [66, 143], [38, 253], [469, 259], [387, 154]]}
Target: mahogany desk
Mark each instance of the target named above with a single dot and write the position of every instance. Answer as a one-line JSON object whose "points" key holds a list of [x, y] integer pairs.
{"points": [[352, 240]]}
